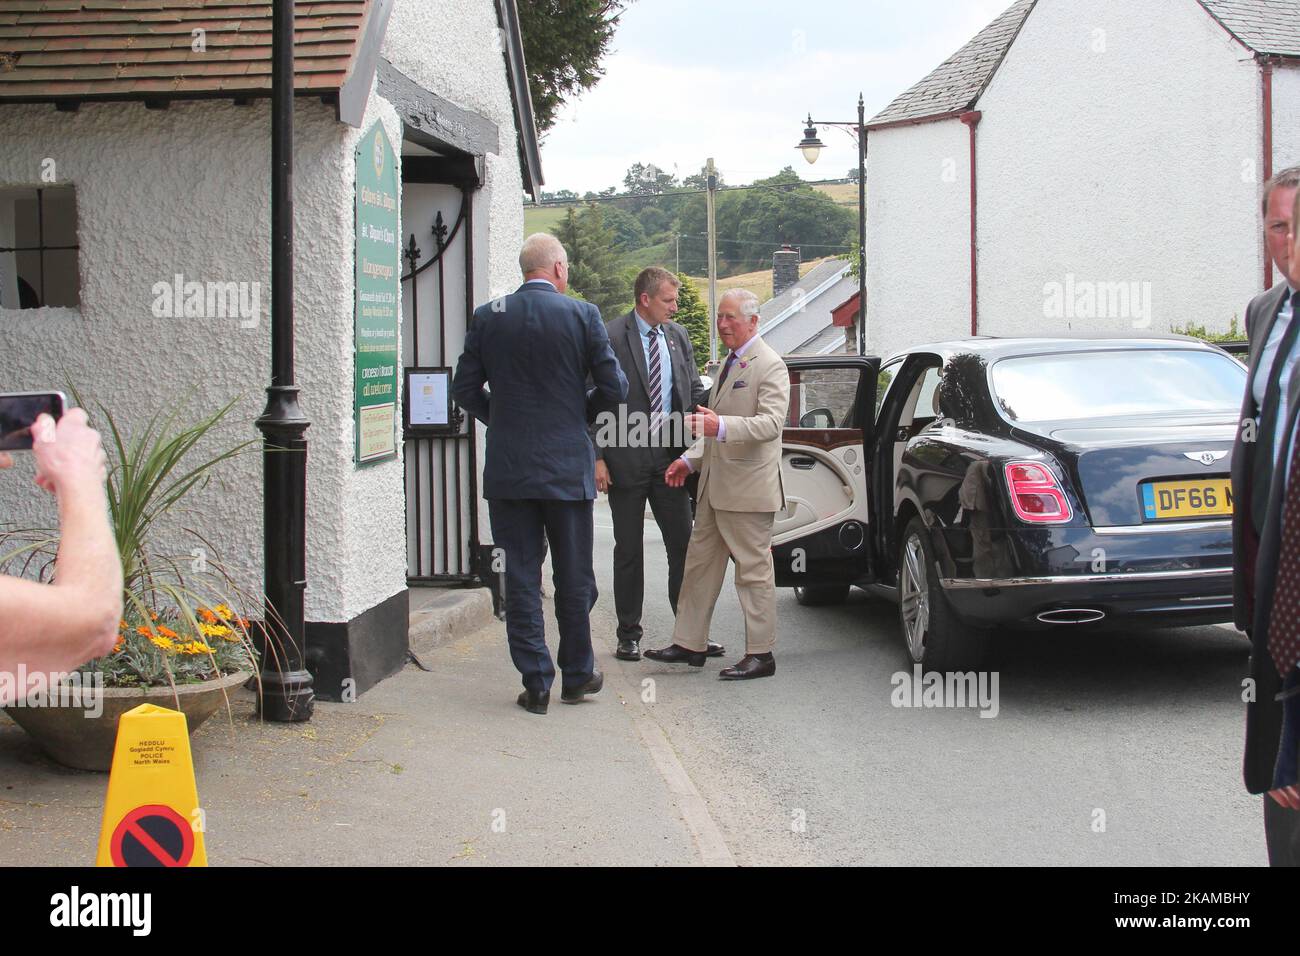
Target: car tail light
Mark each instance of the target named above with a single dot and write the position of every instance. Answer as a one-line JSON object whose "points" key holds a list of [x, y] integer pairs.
{"points": [[1036, 494]]}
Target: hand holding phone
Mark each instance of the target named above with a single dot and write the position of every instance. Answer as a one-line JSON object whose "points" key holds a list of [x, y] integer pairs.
{"points": [[19, 411], [67, 453]]}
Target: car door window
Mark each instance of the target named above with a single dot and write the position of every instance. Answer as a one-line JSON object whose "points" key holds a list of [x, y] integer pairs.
{"points": [[824, 398], [883, 381]]}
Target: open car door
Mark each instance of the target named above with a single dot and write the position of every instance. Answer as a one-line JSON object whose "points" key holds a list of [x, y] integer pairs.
{"points": [[821, 539]]}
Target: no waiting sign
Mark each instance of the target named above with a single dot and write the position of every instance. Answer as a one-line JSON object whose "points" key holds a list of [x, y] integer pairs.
{"points": [[153, 835]]}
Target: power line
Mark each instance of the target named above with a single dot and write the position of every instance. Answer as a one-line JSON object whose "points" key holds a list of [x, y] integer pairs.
{"points": [[775, 187]]}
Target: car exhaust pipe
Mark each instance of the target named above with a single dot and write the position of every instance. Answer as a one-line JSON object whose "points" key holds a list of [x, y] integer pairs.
{"points": [[1071, 615]]}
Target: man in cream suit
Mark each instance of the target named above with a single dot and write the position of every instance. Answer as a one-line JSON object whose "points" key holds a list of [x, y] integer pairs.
{"points": [[738, 456]]}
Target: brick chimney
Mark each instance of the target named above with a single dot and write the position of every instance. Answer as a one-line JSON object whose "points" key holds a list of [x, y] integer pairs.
{"points": [[785, 269]]}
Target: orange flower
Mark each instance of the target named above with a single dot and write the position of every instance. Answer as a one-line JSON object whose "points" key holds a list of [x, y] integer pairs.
{"points": [[144, 631], [207, 616], [166, 631]]}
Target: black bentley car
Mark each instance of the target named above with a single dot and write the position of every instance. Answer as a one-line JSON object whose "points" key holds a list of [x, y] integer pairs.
{"points": [[1067, 483]]}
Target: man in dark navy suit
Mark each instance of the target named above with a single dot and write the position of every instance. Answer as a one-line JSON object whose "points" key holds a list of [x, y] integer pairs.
{"points": [[535, 348], [1260, 474]]}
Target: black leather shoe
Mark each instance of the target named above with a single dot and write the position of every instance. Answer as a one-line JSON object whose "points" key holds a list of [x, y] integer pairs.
{"points": [[675, 654], [575, 695], [628, 651], [715, 650], [749, 667], [535, 702]]}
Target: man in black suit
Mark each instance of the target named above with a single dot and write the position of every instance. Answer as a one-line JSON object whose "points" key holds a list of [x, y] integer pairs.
{"points": [[636, 441], [537, 348], [1260, 459]]}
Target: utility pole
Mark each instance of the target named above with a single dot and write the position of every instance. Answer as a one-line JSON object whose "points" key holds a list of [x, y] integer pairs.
{"points": [[709, 197], [679, 253]]}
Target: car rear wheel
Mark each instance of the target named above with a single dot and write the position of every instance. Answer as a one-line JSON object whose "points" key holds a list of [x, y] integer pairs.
{"points": [[815, 596], [936, 638]]}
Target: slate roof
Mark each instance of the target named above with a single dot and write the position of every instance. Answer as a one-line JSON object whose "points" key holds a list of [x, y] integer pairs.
{"points": [[957, 83], [1267, 27], [1264, 26], [134, 49], [803, 311]]}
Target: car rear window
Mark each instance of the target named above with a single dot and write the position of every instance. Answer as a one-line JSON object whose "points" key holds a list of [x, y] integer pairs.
{"points": [[1106, 384]]}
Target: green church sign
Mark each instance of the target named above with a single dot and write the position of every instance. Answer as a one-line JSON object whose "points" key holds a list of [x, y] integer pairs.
{"points": [[378, 278]]}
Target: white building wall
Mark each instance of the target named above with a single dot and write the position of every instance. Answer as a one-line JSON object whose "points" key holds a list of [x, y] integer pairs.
{"points": [[1286, 115], [918, 235], [186, 190], [469, 70], [1120, 143]]}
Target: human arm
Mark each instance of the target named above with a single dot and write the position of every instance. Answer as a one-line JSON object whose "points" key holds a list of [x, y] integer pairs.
{"points": [[602, 364], [59, 626], [467, 384]]}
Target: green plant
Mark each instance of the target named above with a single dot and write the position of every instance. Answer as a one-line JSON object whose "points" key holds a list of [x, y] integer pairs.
{"points": [[1234, 333], [180, 624]]}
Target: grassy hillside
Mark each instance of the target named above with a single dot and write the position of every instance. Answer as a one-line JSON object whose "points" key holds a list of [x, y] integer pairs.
{"points": [[759, 283]]}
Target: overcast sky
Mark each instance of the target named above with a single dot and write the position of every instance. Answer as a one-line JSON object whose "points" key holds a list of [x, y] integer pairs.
{"points": [[689, 79]]}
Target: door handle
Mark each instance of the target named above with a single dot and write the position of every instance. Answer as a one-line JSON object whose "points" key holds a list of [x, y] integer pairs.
{"points": [[803, 463], [901, 435]]}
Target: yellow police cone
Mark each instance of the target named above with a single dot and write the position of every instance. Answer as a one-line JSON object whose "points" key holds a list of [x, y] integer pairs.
{"points": [[151, 813]]}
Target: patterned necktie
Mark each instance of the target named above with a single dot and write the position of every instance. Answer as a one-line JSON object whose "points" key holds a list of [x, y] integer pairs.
{"points": [[656, 384], [1284, 616], [726, 368]]}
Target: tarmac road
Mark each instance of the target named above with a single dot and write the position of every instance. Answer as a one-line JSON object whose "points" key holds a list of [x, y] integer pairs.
{"points": [[1109, 749]]}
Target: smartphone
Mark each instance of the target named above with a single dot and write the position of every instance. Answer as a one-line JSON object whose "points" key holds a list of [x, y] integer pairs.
{"points": [[18, 410]]}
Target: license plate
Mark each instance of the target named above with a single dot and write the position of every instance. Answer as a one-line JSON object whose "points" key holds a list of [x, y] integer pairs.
{"points": [[1196, 498]]}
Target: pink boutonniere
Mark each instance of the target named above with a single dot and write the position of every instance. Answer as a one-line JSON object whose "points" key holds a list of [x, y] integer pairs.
{"points": [[744, 364]]}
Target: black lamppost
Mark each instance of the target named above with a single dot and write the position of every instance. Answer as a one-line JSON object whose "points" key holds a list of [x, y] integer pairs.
{"points": [[811, 146], [287, 692]]}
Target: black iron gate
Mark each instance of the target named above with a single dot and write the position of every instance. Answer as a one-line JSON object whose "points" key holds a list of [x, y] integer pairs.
{"points": [[442, 506]]}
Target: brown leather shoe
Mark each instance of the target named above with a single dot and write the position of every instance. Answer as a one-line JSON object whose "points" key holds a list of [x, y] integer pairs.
{"points": [[749, 667], [674, 654]]}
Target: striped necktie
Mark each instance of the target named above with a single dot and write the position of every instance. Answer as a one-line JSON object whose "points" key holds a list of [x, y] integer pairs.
{"points": [[656, 384]]}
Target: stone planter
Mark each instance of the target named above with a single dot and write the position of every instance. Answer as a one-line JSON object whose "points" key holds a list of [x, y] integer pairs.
{"points": [[75, 738]]}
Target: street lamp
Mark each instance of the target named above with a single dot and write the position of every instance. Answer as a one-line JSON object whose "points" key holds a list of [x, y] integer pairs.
{"points": [[811, 147]]}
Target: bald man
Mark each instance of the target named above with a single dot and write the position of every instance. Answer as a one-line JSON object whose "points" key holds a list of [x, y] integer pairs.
{"points": [[535, 348], [738, 457]]}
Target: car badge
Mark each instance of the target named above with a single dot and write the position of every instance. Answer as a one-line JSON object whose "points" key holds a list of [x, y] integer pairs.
{"points": [[1206, 458]]}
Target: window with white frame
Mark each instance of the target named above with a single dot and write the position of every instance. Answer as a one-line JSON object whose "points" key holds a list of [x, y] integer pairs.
{"points": [[38, 247]]}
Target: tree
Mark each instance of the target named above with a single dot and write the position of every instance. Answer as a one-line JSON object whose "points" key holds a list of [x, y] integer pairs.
{"points": [[628, 232], [564, 42], [647, 179], [754, 222], [693, 316], [593, 267], [700, 180]]}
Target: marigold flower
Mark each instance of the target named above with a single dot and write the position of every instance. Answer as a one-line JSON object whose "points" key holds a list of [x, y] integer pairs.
{"points": [[206, 615], [214, 630], [166, 631], [224, 612], [195, 647], [143, 631], [166, 643]]}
